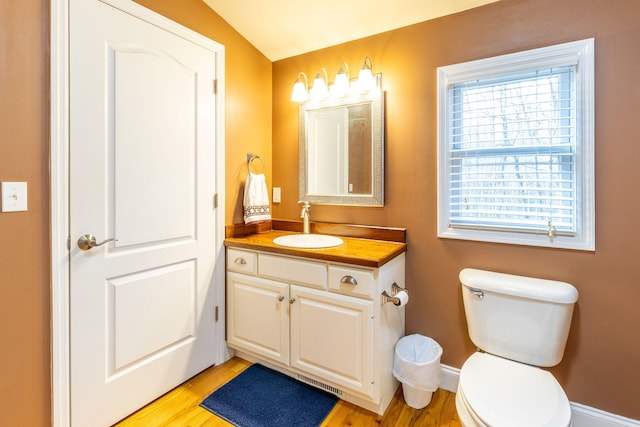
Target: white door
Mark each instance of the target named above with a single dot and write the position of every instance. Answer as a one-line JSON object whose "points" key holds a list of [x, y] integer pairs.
{"points": [[142, 171]]}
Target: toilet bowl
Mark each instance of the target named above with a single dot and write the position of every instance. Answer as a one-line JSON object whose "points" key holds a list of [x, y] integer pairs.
{"points": [[518, 324], [496, 392]]}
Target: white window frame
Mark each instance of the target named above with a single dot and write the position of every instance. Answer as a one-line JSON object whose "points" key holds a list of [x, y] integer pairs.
{"points": [[580, 53]]}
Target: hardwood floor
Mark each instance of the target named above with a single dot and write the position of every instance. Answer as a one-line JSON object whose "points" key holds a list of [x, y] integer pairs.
{"points": [[179, 407]]}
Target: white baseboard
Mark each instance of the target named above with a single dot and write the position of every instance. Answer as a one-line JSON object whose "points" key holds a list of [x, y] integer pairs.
{"points": [[450, 377], [581, 415], [586, 416]]}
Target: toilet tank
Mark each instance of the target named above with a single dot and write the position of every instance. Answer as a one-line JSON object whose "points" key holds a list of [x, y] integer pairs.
{"points": [[519, 318]]}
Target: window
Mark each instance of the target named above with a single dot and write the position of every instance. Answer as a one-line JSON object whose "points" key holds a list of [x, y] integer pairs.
{"points": [[515, 148]]}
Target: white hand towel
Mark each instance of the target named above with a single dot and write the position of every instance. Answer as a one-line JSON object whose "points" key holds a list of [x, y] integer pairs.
{"points": [[256, 199]]}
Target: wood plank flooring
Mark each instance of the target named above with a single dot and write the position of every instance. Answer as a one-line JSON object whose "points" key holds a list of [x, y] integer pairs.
{"points": [[179, 407]]}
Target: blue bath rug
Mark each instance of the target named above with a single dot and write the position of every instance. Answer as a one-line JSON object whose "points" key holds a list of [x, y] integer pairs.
{"points": [[262, 397]]}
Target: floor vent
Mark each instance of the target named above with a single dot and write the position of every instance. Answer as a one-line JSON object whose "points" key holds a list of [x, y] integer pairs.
{"points": [[323, 386]]}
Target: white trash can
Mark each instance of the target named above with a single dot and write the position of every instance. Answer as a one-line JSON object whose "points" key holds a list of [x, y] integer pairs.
{"points": [[416, 364]]}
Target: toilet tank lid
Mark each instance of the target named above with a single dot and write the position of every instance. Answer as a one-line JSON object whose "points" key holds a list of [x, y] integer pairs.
{"points": [[520, 286]]}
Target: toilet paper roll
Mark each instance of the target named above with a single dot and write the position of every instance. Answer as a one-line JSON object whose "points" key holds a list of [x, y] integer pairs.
{"points": [[403, 298]]}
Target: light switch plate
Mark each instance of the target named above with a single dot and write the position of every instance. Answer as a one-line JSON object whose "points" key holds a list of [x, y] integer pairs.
{"points": [[276, 194], [14, 196]]}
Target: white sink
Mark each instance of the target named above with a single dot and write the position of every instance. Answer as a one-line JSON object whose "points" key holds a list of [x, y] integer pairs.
{"points": [[308, 241]]}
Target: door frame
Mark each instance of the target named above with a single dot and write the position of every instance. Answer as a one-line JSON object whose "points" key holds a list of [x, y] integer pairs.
{"points": [[59, 201]]}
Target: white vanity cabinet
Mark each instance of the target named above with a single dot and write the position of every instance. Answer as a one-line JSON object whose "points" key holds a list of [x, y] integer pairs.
{"points": [[321, 322]]}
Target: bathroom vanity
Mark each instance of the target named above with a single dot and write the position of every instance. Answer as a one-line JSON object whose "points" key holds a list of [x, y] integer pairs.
{"points": [[318, 315]]}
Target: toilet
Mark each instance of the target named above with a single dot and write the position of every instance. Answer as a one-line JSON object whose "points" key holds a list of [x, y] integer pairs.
{"points": [[519, 324]]}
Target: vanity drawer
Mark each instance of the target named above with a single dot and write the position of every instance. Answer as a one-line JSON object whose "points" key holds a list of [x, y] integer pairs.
{"points": [[350, 281], [313, 274], [242, 261]]}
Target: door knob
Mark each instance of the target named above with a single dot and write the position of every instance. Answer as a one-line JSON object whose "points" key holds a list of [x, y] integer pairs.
{"points": [[88, 241]]}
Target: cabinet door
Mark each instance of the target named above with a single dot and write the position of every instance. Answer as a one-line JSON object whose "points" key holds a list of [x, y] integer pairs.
{"points": [[332, 338], [258, 316]]}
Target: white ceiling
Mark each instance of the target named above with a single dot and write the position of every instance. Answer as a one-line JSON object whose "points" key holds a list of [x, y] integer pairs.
{"points": [[284, 28]]}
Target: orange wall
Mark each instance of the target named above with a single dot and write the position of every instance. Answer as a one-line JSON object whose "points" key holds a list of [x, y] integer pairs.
{"points": [[600, 368]]}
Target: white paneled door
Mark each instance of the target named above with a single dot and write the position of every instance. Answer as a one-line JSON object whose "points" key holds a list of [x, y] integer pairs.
{"points": [[142, 172]]}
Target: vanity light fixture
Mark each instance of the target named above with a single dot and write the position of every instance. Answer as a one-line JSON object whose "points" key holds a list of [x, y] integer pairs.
{"points": [[320, 87], [340, 86], [365, 78], [300, 92]]}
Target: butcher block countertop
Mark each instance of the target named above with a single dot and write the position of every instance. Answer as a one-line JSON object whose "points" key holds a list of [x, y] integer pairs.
{"points": [[364, 252]]}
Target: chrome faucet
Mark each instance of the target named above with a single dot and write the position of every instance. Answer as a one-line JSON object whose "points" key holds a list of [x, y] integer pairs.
{"points": [[306, 206]]}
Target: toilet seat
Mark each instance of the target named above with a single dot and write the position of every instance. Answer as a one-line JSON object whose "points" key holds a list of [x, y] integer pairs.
{"points": [[502, 393]]}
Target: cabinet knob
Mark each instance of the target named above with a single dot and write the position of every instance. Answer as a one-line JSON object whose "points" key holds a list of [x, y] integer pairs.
{"points": [[349, 280], [280, 298], [240, 261], [292, 300]]}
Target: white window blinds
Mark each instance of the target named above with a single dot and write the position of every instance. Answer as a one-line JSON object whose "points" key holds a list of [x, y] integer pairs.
{"points": [[512, 153], [516, 148]]}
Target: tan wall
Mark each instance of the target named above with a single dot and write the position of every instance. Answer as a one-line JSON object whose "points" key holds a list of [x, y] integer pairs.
{"points": [[24, 156], [600, 367], [24, 236]]}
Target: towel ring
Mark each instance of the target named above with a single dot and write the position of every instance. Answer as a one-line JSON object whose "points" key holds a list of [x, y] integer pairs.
{"points": [[251, 158]]}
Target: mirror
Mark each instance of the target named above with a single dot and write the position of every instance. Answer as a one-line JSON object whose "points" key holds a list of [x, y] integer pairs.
{"points": [[342, 150]]}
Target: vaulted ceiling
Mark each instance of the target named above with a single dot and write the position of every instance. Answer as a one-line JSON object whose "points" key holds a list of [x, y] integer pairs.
{"points": [[285, 28]]}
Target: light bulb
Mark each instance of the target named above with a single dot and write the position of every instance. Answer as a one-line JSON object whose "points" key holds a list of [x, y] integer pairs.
{"points": [[341, 84], [299, 92], [319, 89], [365, 78]]}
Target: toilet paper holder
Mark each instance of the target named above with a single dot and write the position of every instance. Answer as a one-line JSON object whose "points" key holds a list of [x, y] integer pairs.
{"points": [[385, 297]]}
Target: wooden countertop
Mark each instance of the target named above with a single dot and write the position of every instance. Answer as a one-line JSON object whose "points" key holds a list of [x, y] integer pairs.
{"points": [[356, 251]]}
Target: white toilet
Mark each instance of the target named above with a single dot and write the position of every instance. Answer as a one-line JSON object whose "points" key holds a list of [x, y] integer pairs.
{"points": [[518, 323]]}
